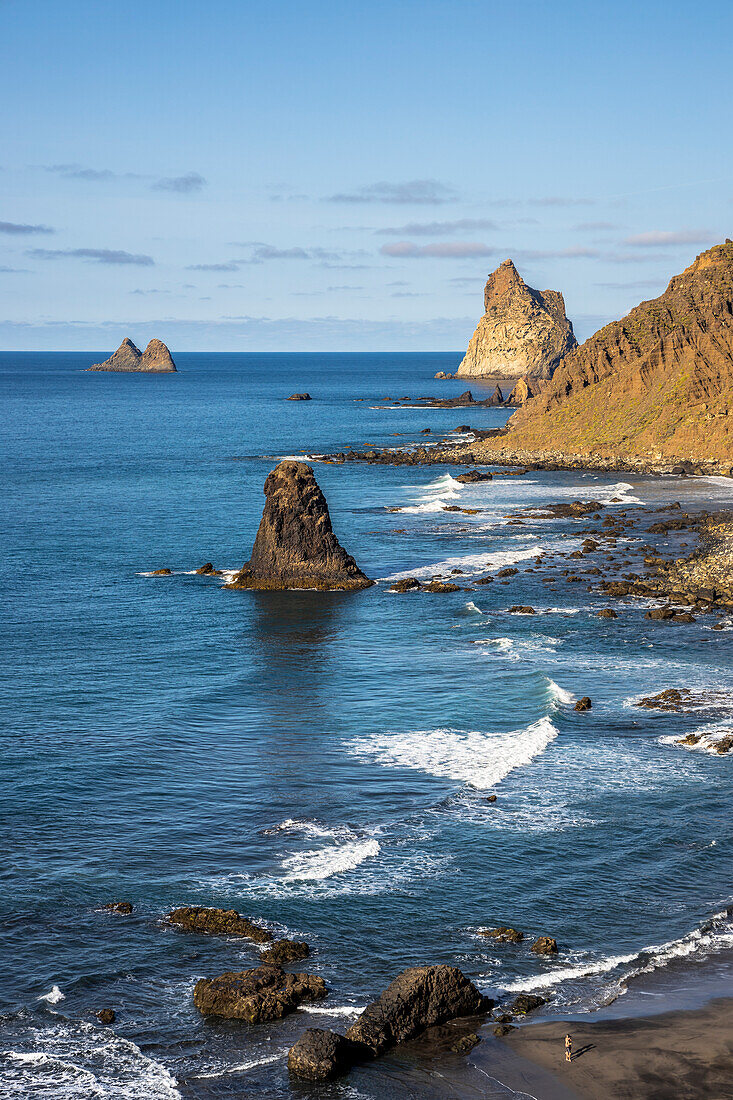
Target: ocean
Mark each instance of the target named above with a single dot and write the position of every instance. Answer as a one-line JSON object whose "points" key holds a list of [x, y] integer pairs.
{"points": [[322, 761]]}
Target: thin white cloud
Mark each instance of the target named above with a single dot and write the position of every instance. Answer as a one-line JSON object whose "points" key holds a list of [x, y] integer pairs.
{"points": [[181, 185], [436, 229], [448, 250], [100, 255], [664, 239], [427, 192]]}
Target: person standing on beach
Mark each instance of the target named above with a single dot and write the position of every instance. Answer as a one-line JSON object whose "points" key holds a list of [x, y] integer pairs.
{"points": [[568, 1049]]}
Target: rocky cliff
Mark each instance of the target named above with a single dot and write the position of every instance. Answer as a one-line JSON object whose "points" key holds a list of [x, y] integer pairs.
{"points": [[656, 385], [295, 545], [155, 359], [523, 331]]}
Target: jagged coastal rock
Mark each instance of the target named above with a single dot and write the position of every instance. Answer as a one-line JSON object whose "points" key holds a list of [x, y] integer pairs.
{"points": [[523, 331], [419, 998], [525, 388], [295, 545], [257, 995], [652, 390], [156, 359]]}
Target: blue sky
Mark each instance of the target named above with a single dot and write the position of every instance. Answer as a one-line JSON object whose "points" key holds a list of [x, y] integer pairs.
{"points": [[343, 175]]}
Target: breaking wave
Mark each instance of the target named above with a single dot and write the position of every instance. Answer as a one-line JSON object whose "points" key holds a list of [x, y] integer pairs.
{"points": [[478, 759]]}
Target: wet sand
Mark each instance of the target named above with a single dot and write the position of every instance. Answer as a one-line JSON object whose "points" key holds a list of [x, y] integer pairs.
{"points": [[674, 1056]]}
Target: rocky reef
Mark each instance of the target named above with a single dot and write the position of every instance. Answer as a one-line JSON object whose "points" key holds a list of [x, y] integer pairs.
{"points": [[156, 359], [522, 332], [295, 545], [654, 389], [257, 995]]}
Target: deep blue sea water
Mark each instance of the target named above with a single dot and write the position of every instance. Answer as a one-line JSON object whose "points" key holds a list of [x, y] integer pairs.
{"points": [[320, 761]]}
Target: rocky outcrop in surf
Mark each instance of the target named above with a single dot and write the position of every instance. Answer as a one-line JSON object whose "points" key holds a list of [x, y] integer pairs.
{"points": [[295, 545], [417, 999], [257, 995], [217, 922], [522, 332], [156, 359], [653, 389]]}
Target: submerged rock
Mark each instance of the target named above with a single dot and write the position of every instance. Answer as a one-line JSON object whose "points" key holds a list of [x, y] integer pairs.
{"points": [[583, 704], [466, 1043], [503, 935], [295, 545], [124, 907], [671, 699], [155, 359], [257, 995], [284, 951], [106, 1016], [217, 922]]}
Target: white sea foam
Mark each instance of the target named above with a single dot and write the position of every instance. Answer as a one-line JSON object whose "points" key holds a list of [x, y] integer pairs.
{"points": [[78, 1061], [332, 1010], [438, 494], [709, 735], [567, 973], [559, 696], [325, 862], [471, 606], [472, 563], [53, 997], [479, 759], [519, 649], [242, 1067]]}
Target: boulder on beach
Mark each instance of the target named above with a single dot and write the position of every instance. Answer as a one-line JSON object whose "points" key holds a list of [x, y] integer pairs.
{"points": [[257, 995], [217, 922], [156, 359], [295, 545], [417, 999]]}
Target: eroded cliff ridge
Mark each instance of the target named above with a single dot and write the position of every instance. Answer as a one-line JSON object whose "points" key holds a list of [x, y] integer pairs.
{"points": [[658, 384], [523, 331], [155, 359], [295, 545]]}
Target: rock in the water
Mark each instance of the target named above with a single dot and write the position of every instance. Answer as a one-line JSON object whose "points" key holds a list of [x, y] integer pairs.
{"points": [[526, 1002], [545, 945], [466, 1043], [320, 1055], [419, 998], [474, 475], [217, 922], [437, 587], [583, 704], [156, 359], [124, 907], [405, 584], [208, 570], [284, 951], [607, 613], [300, 397], [295, 545], [503, 1029], [523, 331], [256, 995], [162, 573], [106, 1016], [503, 935], [521, 609]]}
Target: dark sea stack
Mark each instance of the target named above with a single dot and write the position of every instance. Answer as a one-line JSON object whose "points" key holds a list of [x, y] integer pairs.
{"points": [[419, 998], [522, 332], [156, 359], [320, 1055], [257, 995], [295, 545], [217, 922]]}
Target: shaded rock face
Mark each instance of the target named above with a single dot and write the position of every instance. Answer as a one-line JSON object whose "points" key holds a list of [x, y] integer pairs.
{"points": [[419, 998], [217, 922], [256, 995], [525, 388], [656, 385], [523, 331], [295, 545], [156, 358], [320, 1055]]}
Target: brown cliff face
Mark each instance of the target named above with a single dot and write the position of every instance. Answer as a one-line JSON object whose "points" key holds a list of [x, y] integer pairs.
{"points": [[156, 358], [522, 331], [656, 384], [295, 545]]}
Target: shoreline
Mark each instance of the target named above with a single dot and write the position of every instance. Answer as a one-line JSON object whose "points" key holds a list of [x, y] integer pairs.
{"points": [[684, 1054]]}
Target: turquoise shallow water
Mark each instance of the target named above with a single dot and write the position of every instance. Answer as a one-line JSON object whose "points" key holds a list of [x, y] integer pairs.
{"points": [[322, 761]]}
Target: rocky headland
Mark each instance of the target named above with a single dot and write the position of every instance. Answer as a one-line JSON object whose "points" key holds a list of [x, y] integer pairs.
{"points": [[522, 332], [156, 359], [650, 392], [295, 546]]}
